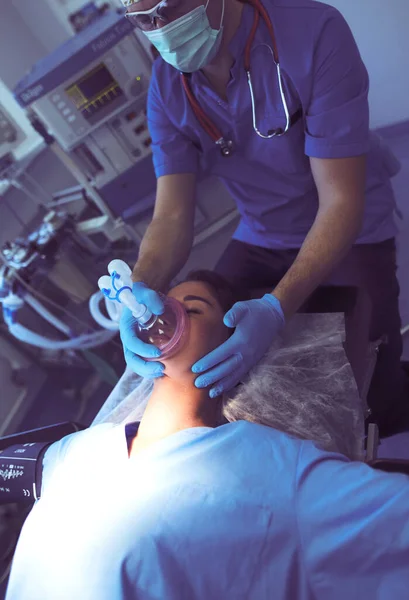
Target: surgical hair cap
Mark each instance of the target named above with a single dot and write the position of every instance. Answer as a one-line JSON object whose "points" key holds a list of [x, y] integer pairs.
{"points": [[304, 386]]}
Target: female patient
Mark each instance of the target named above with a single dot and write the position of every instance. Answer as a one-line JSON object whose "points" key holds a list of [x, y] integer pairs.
{"points": [[191, 508]]}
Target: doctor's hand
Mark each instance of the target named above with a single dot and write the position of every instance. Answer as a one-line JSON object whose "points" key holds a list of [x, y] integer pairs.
{"points": [[257, 322], [134, 349]]}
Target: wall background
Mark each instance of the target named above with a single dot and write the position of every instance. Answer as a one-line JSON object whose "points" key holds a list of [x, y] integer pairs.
{"points": [[381, 29]]}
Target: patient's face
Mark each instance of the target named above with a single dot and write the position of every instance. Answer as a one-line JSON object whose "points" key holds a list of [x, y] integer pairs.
{"points": [[207, 330]]}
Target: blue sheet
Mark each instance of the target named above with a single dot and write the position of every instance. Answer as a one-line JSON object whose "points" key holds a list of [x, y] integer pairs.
{"points": [[240, 511]]}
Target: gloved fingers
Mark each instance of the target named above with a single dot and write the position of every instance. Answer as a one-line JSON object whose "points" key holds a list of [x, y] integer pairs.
{"points": [[237, 312], [217, 356], [222, 370], [148, 370], [130, 340], [227, 383], [148, 297]]}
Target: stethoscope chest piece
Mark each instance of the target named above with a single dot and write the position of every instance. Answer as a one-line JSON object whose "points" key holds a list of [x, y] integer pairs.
{"points": [[226, 146]]}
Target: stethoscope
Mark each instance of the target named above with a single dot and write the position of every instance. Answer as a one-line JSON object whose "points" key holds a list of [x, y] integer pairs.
{"points": [[226, 146]]}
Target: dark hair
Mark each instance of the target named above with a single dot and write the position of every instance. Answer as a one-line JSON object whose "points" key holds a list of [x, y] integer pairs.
{"points": [[225, 293]]}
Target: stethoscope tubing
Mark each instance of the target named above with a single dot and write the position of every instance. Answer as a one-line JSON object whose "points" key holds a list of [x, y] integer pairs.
{"points": [[207, 124]]}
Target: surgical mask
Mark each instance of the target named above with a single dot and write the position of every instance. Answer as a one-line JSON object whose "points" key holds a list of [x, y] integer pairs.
{"points": [[189, 43]]}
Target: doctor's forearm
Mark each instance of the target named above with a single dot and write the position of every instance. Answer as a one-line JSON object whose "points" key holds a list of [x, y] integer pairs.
{"points": [[334, 231], [164, 250], [168, 240]]}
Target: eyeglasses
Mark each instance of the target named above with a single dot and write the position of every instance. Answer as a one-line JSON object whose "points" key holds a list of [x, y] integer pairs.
{"points": [[161, 14], [146, 19]]}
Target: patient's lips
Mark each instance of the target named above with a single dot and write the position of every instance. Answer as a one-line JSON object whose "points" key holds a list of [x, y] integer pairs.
{"points": [[159, 338], [162, 332]]}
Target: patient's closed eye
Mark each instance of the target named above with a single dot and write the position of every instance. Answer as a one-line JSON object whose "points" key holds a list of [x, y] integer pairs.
{"points": [[194, 310]]}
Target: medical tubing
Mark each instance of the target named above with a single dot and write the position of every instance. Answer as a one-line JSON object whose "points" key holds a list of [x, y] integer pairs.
{"points": [[249, 42], [259, 10], [79, 343], [114, 310], [52, 303], [95, 311], [201, 116], [49, 301], [207, 124], [89, 340], [47, 315], [270, 27]]}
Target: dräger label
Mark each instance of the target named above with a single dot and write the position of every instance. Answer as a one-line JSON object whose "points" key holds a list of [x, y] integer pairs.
{"points": [[33, 93], [102, 43]]}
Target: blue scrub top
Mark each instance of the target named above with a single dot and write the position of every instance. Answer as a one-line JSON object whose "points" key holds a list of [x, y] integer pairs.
{"points": [[271, 180], [237, 512]]}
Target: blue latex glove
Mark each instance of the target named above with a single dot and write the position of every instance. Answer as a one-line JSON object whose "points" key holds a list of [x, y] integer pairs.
{"points": [[257, 322], [134, 348]]}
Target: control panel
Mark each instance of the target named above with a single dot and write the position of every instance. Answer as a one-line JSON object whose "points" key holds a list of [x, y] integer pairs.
{"points": [[116, 146], [97, 94]]}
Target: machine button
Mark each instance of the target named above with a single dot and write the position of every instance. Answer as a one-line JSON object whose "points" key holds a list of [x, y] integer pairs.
{"points": [[131, 116], [56, 98], [66, 111], [140, 129], [71, 118], [136, 88]]}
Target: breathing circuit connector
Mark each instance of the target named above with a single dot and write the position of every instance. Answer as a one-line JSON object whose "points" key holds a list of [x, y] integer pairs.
{"points": [[167, 331]]}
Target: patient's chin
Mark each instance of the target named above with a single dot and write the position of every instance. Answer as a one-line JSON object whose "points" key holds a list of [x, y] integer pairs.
{"points": [[200, 343], [179, 368]]}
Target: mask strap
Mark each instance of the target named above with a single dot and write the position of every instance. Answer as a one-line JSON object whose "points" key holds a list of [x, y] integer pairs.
{"points": [[223, 7], [221, 20]]}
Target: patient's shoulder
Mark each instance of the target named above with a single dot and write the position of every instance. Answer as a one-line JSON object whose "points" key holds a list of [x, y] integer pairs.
{"points": [[75, 451], [267, 441], [259, 432], [262, 441], [86, 443]]}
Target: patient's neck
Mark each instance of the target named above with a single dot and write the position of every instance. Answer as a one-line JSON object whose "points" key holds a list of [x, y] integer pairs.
{"points": [[173, 406]]}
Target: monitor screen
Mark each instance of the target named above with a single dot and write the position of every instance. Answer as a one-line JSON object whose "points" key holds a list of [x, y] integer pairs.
{"points": [[94, 91]]}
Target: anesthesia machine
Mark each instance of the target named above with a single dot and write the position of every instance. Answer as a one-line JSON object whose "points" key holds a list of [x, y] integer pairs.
{"points": [[90, 95]]}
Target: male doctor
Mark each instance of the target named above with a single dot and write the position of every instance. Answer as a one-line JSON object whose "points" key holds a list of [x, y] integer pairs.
{"points": [[272, 97]]}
